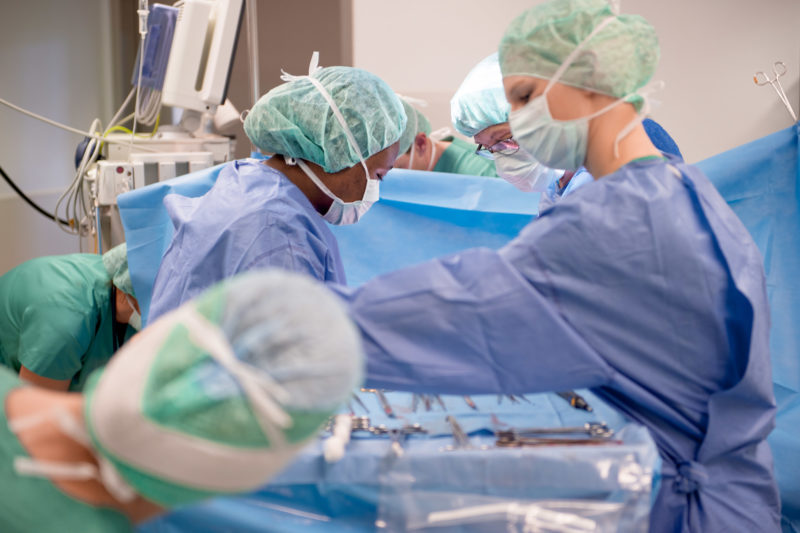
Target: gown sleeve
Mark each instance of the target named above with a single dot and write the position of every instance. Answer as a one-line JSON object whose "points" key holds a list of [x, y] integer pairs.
{"points": [[54, 340], [468, 324]]}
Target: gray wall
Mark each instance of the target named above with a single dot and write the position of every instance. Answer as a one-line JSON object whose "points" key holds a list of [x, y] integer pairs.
{"points": [[289, 31], [72, 60], [710, 50], [53, 61]]}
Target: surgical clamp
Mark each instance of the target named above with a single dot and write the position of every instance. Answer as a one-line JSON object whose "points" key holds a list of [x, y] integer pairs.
{"points": [[382, 399]]}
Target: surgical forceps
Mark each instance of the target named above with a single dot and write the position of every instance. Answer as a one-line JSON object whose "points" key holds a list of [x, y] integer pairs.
{"points": [[778, 69], [387, 408]]}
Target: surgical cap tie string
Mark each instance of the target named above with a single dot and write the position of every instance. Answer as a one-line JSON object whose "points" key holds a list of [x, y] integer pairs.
{"points": [[107, 474], [440, 134], [265, 394], [413, 101], [640, 116], [313, 67]]}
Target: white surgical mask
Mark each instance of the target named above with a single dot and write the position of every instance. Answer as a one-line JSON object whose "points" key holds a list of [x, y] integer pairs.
{"points": [[522, 171], [559, 143], [340, 212], [135, 320]]}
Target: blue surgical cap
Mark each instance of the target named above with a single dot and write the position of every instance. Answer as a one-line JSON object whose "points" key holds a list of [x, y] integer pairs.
{"points": [[417, 123], [480, 102]]}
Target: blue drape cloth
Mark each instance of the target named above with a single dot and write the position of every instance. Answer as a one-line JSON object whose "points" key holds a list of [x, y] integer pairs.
{"points": [[759, 180], [425, 215]]}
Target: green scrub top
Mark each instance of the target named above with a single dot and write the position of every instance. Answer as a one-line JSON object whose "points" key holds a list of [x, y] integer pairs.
{"points": [[33, 504], [56, 317], [460, 158]]}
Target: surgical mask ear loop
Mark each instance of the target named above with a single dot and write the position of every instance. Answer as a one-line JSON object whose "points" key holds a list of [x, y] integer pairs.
{"points": [[640, 116], [433, 154], [313, 67], [264, 393], [413, 143], [310, 173]]}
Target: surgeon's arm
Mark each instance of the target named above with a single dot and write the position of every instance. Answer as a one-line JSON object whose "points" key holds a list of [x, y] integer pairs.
{"points": [[41, 381], [52, 343], [468, 324]]}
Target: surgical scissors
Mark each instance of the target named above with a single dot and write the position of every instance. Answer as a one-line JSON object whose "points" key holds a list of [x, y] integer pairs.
{"points": [[778, 69]]}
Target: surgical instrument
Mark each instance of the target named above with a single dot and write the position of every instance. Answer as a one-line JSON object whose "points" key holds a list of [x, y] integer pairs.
{"points": [[387, 408], [470, 403], [593, 429], [460, 438], [778, 69], [510, 439], [575, 400], [427, 401], [440, 402], [360, 402]]}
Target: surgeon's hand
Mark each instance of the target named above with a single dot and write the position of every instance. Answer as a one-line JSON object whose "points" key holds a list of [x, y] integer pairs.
{"points": [[563, 181]]}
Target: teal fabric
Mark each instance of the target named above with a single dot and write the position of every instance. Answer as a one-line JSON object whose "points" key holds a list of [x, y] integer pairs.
{"points": [[295, 119], [618, 60], [32, 504], [460, 158], [55, 317], [417, 122], [116, 262]]}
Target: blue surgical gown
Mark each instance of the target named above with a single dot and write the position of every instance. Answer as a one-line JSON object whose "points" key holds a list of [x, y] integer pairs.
{"points": [[658, 136], [643, 286], [253, 217]]}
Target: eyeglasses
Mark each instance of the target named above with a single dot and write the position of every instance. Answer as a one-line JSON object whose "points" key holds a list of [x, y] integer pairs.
{"points": [[505, 147]]}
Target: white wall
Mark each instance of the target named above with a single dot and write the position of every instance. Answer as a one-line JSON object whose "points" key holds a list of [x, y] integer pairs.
{"points": [[52, 62], [710, 50]]}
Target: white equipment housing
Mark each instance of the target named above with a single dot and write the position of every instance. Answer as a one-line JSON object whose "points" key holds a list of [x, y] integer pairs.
{"points": [[201, 56], [169, 142], [113, 178], [118, 177]]}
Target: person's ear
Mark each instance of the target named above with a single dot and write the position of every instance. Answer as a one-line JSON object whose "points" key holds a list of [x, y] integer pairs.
{"points": [[421, 143]]}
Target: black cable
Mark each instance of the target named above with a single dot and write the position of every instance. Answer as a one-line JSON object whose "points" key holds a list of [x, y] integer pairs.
{"points": [[31, 202]]}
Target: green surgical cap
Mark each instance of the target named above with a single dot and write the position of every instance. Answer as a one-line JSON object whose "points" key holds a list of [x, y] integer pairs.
{"points": [[116, 262], [417, 123], [295, 120], [618, 60], [183, 426], [480, 101]]}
